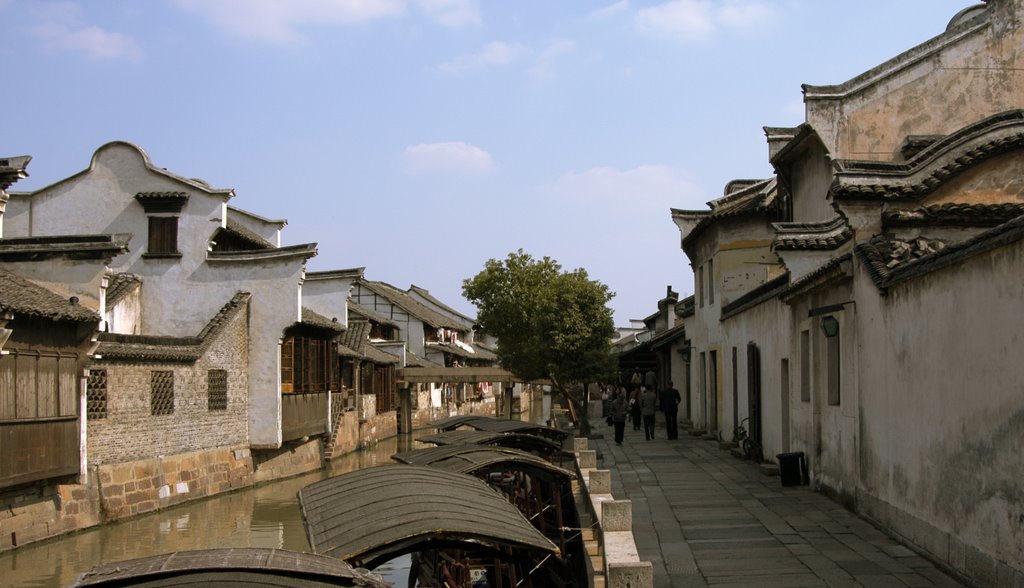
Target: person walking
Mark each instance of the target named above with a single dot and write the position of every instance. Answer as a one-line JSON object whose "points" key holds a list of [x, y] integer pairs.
{"points": [[618, 416], [648, 408], [670, 400], [634, 407]]}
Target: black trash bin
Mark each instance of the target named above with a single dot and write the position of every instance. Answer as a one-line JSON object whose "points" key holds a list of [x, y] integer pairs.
{"points": [[791, 468]]}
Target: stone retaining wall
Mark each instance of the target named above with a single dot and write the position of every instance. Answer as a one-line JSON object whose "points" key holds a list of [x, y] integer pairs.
{"points": [[619, 564]]}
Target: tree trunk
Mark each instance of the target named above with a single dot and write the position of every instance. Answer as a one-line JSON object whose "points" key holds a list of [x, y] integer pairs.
{"points": [[580, 405]]}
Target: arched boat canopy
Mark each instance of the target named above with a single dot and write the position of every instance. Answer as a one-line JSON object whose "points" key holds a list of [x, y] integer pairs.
{"points": [[493, 425], [468, 459], [242, 567], [523, 441], [371, 516]]}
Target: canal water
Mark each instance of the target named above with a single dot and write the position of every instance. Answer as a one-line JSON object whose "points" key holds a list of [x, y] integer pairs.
{"points": [[264, 516]]}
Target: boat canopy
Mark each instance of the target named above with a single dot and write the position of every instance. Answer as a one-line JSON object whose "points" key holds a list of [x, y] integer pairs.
{"points": [[493, 425], [524, 441], [469, 459], [371, 516], [243, 567]]}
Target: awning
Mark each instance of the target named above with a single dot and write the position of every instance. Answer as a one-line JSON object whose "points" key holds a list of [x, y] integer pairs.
{"points": [[371, 516]]}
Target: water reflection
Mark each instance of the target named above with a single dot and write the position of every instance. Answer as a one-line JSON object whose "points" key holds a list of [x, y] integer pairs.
{"points": [[264, 516]]}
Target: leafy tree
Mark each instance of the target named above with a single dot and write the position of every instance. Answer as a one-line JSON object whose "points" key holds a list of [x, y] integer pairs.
{"points": [[549, 323]]}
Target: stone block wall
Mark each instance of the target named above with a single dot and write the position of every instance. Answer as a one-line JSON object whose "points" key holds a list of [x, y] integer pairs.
{"points": [[296, 457], [43, 511], [380, 426], [131, 488], [130, 432]]}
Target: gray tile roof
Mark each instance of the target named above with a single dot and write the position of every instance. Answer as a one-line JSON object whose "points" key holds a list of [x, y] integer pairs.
{"points": [[954, 214], [365, 313], [752, 198], [825, 235], [934, 165], [310, 317], [239, 231], [149, 349], [26, 298], [433, 300], [877, 257], [355, 342], [120, 285], [412, 306], [79, 247]]}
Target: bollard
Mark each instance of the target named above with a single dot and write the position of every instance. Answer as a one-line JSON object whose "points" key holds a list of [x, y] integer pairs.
{"points": [[617, 515], [639, 574], [587, 459], [600, 482], [579, 444]]}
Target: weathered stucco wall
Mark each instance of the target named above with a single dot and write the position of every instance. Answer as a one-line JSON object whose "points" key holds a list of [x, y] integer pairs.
{"points": [[946, 83], [766, 326], [943, 422]]}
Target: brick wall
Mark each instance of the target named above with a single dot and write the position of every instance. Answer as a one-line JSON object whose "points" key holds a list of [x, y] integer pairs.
{"points": [[131, 488], [46, 510], [131, 432], [292, 459]]}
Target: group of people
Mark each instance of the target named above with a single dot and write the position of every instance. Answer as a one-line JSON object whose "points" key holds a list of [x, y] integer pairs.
{"points": [[640, 403]]}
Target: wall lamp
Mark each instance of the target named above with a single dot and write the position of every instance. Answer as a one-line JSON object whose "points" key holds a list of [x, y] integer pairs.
{"points": [[830, 326]]}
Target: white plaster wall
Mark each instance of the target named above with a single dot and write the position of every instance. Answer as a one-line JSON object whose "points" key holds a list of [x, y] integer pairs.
{"points": [[765, 325], [266, 228], [273, 308], [124, 317], [942, 387], [328, 297]]}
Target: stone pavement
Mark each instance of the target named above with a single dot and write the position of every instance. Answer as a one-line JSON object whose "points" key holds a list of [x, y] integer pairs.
{"points": [[702, 517]]}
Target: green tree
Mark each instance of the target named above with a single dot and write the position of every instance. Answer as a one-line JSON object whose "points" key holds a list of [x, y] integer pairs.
{"points": [[549, 323]]}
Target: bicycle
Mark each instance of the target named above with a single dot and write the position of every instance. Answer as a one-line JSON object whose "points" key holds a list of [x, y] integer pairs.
{"points": [[751, 448]]}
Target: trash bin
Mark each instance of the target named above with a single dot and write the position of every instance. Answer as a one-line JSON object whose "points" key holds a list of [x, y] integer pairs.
{"points": [[791, 468]]}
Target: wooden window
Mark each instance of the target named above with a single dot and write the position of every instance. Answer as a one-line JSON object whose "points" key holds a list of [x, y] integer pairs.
{"points": [[217, 390], [96, 395], [805, 366], [287, 363], [163, 235], [161, 393], [306, 364], [832, 358]]}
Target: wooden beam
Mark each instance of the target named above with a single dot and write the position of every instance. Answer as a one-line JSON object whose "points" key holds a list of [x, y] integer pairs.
{"points": [[458, 375]]}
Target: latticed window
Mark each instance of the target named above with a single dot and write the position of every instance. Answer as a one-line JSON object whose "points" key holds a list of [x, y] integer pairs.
{"points": [[96, 395], [161, 388], [217, 389]]}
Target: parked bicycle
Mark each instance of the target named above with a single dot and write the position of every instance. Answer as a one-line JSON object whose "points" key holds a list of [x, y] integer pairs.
{"points": [[750, 447]]}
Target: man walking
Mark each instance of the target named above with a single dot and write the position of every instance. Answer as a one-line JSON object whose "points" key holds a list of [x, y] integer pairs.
{"points": [[648, 408], [670, 400]]}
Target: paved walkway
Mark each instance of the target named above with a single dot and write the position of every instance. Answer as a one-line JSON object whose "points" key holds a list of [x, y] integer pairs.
{"points": [[706, 518]]}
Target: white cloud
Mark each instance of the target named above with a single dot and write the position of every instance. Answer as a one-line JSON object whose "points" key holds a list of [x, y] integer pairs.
{"points": [[492, 54], [610, 10], [279, 22], [61, 29], [695, 20], [544, 66], [651, 187], [451, 13], [450, 157]]}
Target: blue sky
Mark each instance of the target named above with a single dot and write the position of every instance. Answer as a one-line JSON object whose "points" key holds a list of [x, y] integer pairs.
{"points": [[419, 138]]}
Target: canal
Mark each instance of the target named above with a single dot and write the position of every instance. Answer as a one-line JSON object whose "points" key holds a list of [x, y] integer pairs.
{"points": [[263, 516]]}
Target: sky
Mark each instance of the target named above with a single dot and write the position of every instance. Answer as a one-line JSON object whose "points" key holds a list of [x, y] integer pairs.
{"points": [[420, 138]]}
